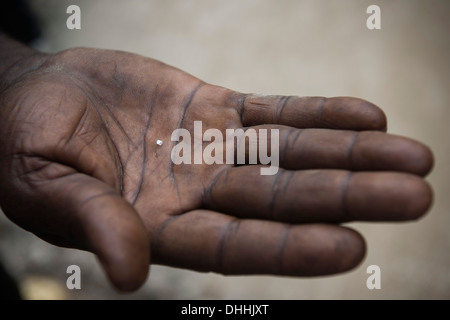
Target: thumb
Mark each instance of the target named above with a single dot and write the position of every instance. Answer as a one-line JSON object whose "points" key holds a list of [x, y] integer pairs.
{"points": [[113, 230], [79, 211]]}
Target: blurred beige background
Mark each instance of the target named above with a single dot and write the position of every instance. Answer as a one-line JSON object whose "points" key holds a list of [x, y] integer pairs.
{"points": [[297, 47]]}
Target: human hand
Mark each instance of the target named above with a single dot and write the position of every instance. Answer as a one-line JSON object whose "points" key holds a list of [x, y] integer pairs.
{"points": [[80, 167]]}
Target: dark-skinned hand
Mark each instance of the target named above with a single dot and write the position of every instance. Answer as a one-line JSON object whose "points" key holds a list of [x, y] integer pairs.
{"points": [[80, 168]]}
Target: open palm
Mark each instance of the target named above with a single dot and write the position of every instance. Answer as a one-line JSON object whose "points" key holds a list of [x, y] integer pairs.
{"points": [[81, 168]]}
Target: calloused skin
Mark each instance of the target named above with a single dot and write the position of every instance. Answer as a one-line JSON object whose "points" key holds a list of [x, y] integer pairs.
{"points": [[80, 168]]}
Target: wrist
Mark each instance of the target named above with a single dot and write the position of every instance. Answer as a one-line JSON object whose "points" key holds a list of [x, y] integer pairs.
{"points": [[16, 59]]}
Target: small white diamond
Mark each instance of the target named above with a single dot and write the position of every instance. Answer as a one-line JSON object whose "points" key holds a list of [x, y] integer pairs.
{"points": [[159, 142]]}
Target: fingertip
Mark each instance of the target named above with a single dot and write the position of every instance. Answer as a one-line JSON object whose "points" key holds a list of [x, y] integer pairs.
{"points": [[420, 199], [375, 118], [380, 151], [354, 114], [410, 155], [423, 160], [319, 249], [125, 277], [353, 247], [388, 196]]}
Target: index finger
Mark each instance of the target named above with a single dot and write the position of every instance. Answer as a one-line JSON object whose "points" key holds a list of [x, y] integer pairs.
{"points": [[205, 240]]}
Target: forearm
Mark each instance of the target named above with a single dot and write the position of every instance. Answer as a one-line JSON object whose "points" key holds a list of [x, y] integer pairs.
{"points": [[16, 59]]}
